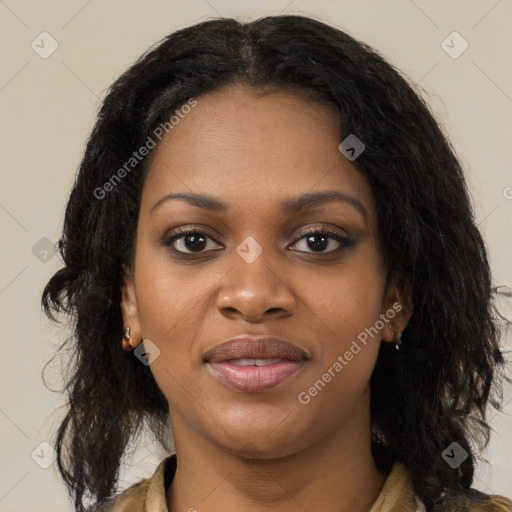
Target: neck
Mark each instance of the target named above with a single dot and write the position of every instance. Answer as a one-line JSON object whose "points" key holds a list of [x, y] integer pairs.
{"points": [[337, 473]]}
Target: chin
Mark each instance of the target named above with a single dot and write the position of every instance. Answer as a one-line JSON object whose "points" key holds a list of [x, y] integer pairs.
{"points": [[261, 438]]}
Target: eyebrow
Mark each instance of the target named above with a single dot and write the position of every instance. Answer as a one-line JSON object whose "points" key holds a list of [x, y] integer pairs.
{"points": [[291, 205]]}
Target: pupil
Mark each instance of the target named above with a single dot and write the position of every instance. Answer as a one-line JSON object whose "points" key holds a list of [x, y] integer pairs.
{"points": [[195, 245], [317, 246]]}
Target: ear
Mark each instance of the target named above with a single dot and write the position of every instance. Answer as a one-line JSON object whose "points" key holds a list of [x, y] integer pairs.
{"points": [[129, 307], [398, 308]]}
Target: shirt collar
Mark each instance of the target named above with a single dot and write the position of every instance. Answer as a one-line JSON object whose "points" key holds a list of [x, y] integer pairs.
{"points": [[396, 494]]}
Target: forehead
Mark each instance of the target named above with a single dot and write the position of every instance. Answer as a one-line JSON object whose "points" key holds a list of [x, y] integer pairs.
{"points": [[246, 146]]}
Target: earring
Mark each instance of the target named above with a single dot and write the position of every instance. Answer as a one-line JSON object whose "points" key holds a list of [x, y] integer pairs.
{"points": [[399, 340], [127, 339]]}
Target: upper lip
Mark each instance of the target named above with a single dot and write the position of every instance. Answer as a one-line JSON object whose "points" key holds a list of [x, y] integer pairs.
{"points": [[255, 347]]}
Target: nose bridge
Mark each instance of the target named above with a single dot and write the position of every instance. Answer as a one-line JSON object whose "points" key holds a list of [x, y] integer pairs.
{"points": [[253, 271], [253, 285]]}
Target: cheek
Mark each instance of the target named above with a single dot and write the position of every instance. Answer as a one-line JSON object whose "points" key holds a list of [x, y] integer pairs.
{"points": [[166, 304], [345, 353], [161, 303], [164, 295], [349, 299], [173, 305], [346, 308]]}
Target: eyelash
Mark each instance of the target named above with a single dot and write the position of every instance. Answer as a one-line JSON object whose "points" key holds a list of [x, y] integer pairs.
{"points": [[344, 242]]}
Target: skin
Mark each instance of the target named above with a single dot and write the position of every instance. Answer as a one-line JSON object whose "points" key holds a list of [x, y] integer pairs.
{"points": [[262, 451]]}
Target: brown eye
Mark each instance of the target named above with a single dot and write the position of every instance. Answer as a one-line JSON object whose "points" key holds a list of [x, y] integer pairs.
{"points": [[320, 240], [190, 241]]}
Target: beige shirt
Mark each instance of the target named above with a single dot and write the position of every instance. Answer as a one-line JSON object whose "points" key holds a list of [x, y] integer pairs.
{"points": [[397, 494]]}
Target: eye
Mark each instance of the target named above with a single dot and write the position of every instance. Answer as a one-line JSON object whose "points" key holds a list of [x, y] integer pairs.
{"points": [[321, 239], [189, 241]]}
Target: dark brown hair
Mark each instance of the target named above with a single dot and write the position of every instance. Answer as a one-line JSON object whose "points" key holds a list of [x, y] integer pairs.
{"points": [[433, 392]]}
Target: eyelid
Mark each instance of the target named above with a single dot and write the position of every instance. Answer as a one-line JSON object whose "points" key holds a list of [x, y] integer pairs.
{"points": [[320, 228], [196, 229]]}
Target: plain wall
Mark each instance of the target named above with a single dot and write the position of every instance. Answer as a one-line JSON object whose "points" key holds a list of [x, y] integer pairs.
{"points": [[48, 107]]}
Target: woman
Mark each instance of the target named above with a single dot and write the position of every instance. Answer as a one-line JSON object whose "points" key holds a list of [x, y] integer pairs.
{"points": [[270, 247]]}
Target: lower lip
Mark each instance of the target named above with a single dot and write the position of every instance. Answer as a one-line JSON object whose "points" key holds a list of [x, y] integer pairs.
{"points": [[254, 378]]}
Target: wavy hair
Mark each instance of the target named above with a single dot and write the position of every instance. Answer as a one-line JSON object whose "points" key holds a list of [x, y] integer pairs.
{"points": [[434, 391]]}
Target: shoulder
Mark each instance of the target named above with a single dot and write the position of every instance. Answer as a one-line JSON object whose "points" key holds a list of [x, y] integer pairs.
{"points": [[500, 503], [130, 500], [471, 500], [147, 494], [477, 501]]}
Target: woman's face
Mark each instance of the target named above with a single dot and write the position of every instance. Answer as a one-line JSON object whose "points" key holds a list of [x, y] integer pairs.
{"points": [[256, 271]]}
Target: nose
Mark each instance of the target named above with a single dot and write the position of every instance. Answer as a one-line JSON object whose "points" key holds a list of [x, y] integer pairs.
{"points": [[255, 291]]}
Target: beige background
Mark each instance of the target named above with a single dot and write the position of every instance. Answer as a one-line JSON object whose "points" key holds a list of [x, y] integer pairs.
{"points": [[48, 108]]}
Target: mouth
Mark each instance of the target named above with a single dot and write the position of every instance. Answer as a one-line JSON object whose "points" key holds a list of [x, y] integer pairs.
{"points": [[254, 363]]}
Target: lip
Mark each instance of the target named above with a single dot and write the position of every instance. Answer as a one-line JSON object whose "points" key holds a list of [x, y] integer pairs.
{"points": [[221, 359]]}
